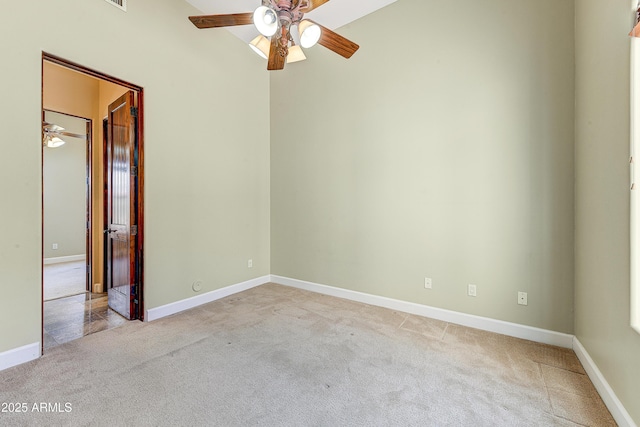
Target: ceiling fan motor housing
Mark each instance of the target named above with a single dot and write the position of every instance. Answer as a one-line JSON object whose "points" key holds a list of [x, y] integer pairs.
{"points": [[289, 12]]}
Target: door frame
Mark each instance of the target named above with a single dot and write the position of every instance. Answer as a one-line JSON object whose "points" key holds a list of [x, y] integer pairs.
{"points": [[51, 58]]}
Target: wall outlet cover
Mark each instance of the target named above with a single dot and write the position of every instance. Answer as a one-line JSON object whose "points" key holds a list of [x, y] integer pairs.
{"points": [[471, 291], [522, 298]]}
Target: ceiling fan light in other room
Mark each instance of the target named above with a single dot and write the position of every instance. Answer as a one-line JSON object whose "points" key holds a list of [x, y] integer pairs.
{"points": [[295, 54], [309, 33], [53, 142], [265, 20], [261, 46]]}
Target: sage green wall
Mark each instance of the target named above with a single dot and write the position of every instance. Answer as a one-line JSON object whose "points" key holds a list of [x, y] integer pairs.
{"points": [[207, 172], [442, 149], [602, 195], [65, 190]]}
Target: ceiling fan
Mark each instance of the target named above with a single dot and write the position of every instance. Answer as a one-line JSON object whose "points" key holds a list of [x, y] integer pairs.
{"points": [[274, 19], [52, 134]]}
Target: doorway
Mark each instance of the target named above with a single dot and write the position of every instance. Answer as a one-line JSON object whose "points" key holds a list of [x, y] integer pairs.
{"points": [[72, 96], [66, 204]]}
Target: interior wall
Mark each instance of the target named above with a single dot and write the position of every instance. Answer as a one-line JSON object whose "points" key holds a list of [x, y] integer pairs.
{"points": [[206, 171], [443, 148], [69, 92], [65, 190], [602, 300]]}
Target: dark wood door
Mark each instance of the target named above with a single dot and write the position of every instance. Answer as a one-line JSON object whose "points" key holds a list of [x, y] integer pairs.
{"points": [[121, 180]]}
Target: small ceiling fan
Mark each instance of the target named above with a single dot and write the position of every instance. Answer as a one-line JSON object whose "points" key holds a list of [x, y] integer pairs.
{"points": [[52, 134], [274, 19]]}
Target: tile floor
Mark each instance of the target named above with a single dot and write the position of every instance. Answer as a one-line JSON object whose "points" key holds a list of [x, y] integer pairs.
{"points": [[70, 318]]}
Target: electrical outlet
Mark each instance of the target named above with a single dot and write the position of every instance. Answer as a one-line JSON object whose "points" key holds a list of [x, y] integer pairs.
{"points": [[522, 298], [250, 263], [427, 282], [54, 246], [471, 291]]}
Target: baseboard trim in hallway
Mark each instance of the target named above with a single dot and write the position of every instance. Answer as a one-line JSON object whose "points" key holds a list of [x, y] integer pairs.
{"points": [[61, 259]]}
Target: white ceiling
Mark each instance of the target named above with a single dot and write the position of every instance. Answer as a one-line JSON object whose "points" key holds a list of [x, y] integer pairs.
{"points": [[333, 14]]}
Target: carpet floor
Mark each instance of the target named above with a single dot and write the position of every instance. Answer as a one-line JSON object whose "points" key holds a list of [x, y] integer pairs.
{"points": [[279, 356]]}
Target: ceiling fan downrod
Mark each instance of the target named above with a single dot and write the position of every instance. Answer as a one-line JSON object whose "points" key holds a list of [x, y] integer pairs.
{"points": [[283, 42]]}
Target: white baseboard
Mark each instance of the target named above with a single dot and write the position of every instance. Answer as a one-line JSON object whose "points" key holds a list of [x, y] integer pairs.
{"points": [[492, 325], [610, 399], [544, 336], [185, 304], [30, 352], [60, 259], [19, 355]]}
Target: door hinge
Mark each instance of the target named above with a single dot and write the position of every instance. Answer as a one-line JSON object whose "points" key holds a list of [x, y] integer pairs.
{"points": [[134, 230], [134, 171], [134, 111]]}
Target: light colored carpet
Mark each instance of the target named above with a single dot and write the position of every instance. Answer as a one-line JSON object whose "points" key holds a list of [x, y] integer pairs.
{"points": [[278, 356], [64, 279]]}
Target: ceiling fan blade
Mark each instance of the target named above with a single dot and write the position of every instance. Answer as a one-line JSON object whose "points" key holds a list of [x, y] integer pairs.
{"points": [[50, 127], [71, 134], [230, 20], [313, 4], [276, 61], [335, 42]]}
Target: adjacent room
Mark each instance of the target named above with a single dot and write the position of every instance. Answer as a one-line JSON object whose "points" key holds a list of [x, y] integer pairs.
{"points": [[434, 231]]}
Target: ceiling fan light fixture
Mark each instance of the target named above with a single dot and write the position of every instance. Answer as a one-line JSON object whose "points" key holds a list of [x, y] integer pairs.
{"points": [[53, 141], [261, 46], [266, 20], [295, 54], [309, 33]]}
